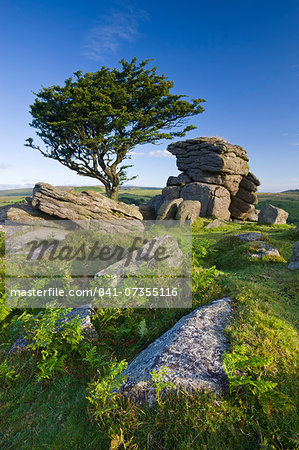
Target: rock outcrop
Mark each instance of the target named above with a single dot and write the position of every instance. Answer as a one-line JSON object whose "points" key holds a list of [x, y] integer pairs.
{"points": [[191, 351], [188, 210], [82, 205], [216, 173], [214, 199], [169, 209]]}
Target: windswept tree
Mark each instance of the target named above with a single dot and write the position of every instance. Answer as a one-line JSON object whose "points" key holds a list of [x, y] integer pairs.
{"points": [[92, 123]]}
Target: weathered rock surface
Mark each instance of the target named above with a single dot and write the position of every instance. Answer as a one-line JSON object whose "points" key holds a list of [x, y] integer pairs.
{"points": [[171, 192], [78, 206], [148, 212], [198, 156], [270, 214], [155, 202], [253, 216], [214, 162], [267, 251], [249, 237], [214, 199], [262, 249], [188, 210], [84, 313], [25, 213], [242, 205], [240, 209], [191, 350], [168, 209], [294, 261], [180, 180]]}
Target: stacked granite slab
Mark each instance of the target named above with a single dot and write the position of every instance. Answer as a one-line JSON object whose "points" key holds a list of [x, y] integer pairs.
{"points": [[216, 173]]}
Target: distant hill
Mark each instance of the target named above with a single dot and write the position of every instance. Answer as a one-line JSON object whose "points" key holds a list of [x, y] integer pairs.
{"points": [[290, 190], [127, 194]]}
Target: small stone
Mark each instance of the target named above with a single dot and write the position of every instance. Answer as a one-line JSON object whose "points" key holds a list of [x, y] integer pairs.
{"points": [[267, 251], [172, 181]]}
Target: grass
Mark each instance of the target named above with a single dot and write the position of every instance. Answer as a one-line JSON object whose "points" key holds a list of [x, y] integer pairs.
{"points": [[138, 195], [288, 200], [55, 413]]}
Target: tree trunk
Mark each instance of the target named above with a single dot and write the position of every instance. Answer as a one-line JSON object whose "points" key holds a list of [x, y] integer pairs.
{"points": [[112, 192]]}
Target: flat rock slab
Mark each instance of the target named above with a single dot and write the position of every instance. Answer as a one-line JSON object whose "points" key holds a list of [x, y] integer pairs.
{"points": [[79, 206], [191, 350], [249, 237]]}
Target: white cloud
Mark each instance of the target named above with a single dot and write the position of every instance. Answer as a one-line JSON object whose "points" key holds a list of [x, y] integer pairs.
{"points": [[160, 154], [137, 153], [4, 166], [121, 25]]}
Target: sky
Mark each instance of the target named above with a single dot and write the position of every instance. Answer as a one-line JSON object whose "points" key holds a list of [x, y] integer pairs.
{"points": [[241, 57]]}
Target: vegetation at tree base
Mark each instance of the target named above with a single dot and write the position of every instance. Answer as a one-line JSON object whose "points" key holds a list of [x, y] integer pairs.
{"points": [[139, 195], [91, 124], [60, 400]]}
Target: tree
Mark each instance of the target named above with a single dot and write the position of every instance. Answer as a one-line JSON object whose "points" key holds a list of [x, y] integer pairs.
{"points": [[92, 123]]}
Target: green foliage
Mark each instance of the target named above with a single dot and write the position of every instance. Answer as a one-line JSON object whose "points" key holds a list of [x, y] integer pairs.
{"points": [[4, 312], [7, 373], [201, 249], [204, 281], [160, 382], [197, 224], [92, 123], [103, 393], [263, 344], [239, 368], [93, 358], [55, 339], [51, 363], [142, 328]]}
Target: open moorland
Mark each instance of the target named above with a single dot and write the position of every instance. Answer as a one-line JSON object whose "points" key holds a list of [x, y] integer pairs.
{"points": [[61, 401], [289, 201]]}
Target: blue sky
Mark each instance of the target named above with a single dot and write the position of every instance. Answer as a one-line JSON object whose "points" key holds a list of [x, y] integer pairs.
{"points": [[242, 57]]}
